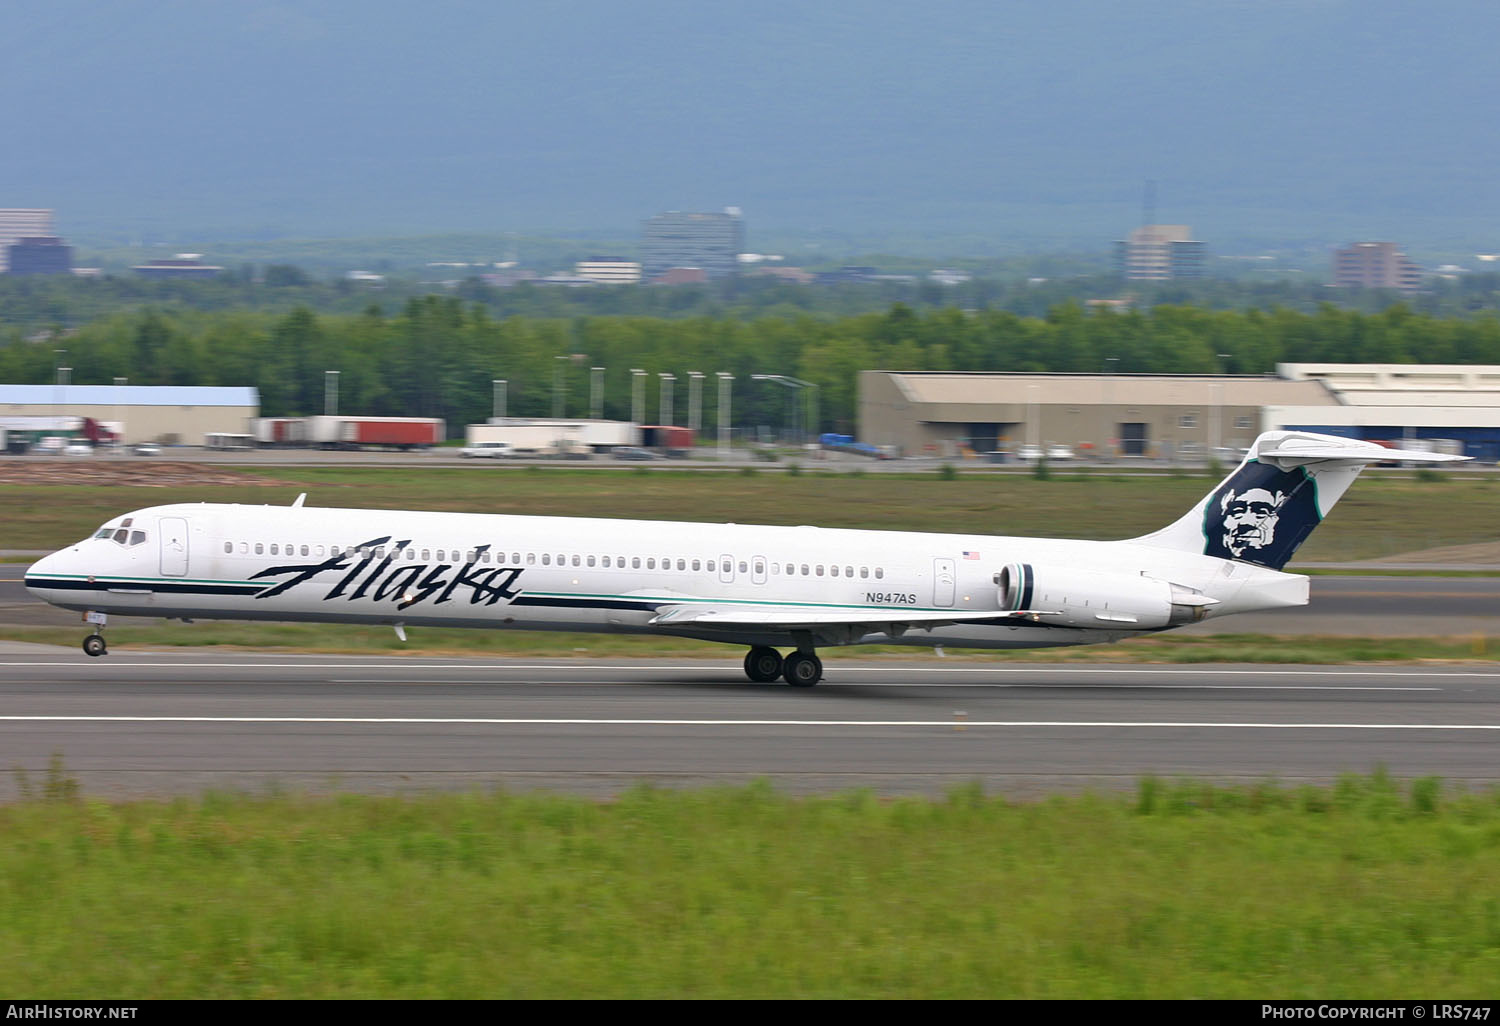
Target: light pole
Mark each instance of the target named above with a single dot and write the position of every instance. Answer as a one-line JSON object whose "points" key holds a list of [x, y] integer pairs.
{"points": [[695, 402], [330, 393], [596, 393], [637, 395], [1108, 444], [664, 407], [559, 397], [499, 384], [1217, 435], [1033, 419], [724, 380], [58, 355], [119, 421]]}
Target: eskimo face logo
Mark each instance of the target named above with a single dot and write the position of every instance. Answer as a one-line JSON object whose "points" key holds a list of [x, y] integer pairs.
{"points": [[1260, 515], [1250, 519]]}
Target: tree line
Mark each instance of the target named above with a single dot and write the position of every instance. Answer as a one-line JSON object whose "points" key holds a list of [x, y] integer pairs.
{"points": [[439, 356]]}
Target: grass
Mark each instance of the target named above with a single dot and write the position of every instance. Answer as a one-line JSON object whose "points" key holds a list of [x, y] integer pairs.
{"points": [[432, 641], [1366, 889], [1378, 517]]}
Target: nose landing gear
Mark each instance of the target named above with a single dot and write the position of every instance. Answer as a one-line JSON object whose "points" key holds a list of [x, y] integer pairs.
{"points": [[94, 645]]}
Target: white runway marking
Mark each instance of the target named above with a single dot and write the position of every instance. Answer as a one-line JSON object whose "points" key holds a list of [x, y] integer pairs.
{"points": [[949, 723], [826, 685]]}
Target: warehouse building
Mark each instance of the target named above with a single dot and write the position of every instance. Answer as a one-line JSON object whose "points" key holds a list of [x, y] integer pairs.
{"points": [[1178, 416], [172, 414]]}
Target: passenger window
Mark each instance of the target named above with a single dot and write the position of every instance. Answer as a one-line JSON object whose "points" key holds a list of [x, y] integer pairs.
{"points": [[820, 569], [531, 559], [229, 546], [651, 563], [591, 561], [682, 564], [775, 569], [635, 562], [244, 548], [834, 570], [879, 573], [260, 549], [273, 549], [697, 564], [515, 557], [743, 567], [864, 572], [791, 568], [546, 559], [606, 561], [304, 550], [804, 570], [575, 561]]}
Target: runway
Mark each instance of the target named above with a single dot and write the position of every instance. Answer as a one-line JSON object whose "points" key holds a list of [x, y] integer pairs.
{"points": [[162, 724]]}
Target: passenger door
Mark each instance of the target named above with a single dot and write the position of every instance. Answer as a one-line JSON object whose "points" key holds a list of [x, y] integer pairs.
{"points": [[944, 582], [174, 546]]}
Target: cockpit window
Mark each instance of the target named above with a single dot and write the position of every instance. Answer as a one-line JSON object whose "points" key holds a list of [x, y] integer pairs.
{"points": [[121, 536]]}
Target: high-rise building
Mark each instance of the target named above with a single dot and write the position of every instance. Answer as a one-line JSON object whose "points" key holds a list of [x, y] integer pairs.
{"points": [[710, 242], [45, 255], [1160, 252], [608, 270], [17, 224], [1375, 265]]}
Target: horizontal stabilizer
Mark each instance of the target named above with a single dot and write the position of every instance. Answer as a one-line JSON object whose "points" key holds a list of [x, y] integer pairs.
{"points": [[1295, 451]]}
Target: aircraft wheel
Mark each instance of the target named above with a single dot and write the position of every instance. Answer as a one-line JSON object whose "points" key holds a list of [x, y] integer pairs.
{"points": [[802, 669], [762, 664], [94, 645]]}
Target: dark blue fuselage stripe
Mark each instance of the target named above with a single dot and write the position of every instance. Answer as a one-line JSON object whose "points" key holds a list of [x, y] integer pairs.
{"points": [[1028, 579], [168, 587]]}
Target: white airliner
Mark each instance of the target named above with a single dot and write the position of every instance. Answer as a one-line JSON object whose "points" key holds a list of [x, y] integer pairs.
{"points": [[763, 587]]}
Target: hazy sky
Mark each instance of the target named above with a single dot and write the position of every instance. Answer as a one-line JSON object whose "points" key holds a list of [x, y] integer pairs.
{"points": [[378, 117]]}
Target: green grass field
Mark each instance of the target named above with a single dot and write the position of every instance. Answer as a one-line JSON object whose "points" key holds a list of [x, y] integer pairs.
{"points": [[1366, 889], [1378, 517]]}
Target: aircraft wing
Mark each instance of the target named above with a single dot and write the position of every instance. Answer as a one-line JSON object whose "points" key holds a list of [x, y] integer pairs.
{"points": [[873, 621]]}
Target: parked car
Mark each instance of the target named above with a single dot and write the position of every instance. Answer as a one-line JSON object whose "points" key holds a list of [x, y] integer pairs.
{"points": [[1029, 453], [630, 452], [147, 449], [1059, 452], [486, 451], [78, 449]]}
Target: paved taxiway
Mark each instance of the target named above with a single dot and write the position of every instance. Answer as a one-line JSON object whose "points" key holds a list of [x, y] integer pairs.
{"points": [[155, 723]]}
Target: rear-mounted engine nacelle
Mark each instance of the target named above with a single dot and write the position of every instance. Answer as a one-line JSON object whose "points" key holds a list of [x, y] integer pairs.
{"points": [[1086, 598]]}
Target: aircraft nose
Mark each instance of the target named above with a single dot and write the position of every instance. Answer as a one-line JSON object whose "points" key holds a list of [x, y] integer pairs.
{"points": [[39, 573]]}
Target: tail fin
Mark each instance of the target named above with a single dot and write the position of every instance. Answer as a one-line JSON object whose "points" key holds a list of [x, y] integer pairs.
{"points": [[1271, 502]]}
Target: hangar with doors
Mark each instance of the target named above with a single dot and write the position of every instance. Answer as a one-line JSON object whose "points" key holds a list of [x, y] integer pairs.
{"points": [[1157, 416]]}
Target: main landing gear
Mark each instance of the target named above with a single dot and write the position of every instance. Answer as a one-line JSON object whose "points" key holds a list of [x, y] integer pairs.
{"points": [[800, 669], [94, 645]]}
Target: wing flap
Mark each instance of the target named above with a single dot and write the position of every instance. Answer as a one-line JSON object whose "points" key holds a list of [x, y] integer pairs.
{"points": [[792, 617]]}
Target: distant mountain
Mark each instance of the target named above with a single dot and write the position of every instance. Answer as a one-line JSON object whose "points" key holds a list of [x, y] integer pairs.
{"points": [[1028, 124]]}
